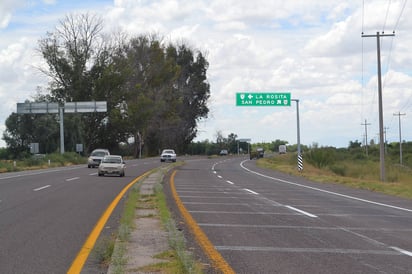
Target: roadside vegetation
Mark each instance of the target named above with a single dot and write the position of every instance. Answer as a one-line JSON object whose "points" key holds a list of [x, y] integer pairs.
{"points": [[352, 167], [31, 162], [177, 259]]}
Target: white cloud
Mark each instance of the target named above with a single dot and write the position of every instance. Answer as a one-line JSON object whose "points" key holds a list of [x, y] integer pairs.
{"points": [[7, 7], [310, 48]]}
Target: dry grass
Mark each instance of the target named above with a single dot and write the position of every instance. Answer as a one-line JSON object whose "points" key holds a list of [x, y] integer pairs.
{"points": [[356, 174]]}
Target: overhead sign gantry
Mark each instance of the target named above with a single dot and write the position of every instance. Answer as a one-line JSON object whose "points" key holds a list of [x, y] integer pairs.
{"points": [[68, 107]]}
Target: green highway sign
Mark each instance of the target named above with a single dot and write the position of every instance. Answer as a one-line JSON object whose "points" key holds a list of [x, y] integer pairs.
{"points": [[266, 99]]}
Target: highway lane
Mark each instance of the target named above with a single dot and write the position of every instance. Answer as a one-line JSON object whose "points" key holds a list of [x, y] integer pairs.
{"points": [[263, 221], [46, 215]]}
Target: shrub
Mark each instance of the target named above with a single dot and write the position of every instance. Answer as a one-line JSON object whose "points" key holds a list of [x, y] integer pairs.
{"points": [[321, 157], [338, 170]]}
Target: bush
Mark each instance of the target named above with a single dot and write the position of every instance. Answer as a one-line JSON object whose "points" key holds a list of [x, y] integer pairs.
{"points": [[338, 170], [321, 157]]}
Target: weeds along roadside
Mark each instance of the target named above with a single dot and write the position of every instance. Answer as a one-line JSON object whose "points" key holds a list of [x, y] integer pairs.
{"points": [[178, 258]]}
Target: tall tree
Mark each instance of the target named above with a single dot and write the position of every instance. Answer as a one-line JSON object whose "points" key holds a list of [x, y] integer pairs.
{"points": [[193, 89], [78, 58]]}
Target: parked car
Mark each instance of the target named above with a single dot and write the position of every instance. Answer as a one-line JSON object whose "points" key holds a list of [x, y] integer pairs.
{"points": [[112, 164], [96, 157], [168, 155]]}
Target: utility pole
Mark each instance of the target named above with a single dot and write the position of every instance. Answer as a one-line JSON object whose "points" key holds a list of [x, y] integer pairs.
{"points": [[366, 136], [399, 114], [381, 140]]}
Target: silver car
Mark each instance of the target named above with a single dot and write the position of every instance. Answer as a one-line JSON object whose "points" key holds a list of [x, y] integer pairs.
{"points": [[112, 164], [96, 157]]}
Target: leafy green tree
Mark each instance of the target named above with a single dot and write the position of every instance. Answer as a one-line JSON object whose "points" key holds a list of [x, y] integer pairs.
{"points": [[78, 60], [22, 130], [193, 89], [155, 94]]}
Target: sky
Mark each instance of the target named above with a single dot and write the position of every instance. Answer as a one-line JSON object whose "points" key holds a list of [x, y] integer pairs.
{"points": [[312, 49]]}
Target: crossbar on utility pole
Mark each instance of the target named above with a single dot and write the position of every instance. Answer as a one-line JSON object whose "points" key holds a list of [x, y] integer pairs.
{"points": [[366, 136], [381, 139], [399, 114]]}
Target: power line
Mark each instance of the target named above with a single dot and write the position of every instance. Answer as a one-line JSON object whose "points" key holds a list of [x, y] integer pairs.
{"points": [[386, 16]]}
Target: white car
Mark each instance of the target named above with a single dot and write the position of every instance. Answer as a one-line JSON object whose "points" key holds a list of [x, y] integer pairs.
{"points": [[112, 164], [168, 155]]}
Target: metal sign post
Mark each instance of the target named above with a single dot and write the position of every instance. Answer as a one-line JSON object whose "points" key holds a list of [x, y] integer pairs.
{"points": [[69, 107]]}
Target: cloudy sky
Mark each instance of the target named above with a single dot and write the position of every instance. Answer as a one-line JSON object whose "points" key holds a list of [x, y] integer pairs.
{"points": [[310, 48]]}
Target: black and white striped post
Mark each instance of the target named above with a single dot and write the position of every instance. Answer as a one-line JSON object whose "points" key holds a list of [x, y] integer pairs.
{"points": [[300, 159]]}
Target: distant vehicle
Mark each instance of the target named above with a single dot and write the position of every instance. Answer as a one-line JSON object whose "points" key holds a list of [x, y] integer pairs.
{"points": [[96, 157], [223, 152], [168, 155], [256, 154], [112, 164], [261, 152], [282, 149]]}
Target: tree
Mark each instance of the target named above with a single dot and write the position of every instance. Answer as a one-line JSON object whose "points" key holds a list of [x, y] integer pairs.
{"points": [[193, 88], [78, 59], [155, 94], [21, 130]]}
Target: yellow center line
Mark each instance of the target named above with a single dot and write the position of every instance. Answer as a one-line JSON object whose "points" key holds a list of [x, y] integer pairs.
{"points": [[218, 261], [84, 252]]}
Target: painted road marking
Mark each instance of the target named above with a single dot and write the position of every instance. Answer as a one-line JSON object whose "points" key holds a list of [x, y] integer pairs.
{"points": [[402, 250], [41, 188], [251, 191], [229, 182], [87, 247], [308, 250], [325, 191], [38, 173], [301, 211], [216, 258], [72, 179]]}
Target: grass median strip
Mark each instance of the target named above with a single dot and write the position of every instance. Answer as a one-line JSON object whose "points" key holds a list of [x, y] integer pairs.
{"points": [[144, 207]]}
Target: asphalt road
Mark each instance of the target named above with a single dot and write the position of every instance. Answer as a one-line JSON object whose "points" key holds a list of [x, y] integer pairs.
{"points": [[46, 215], [263, 221]]}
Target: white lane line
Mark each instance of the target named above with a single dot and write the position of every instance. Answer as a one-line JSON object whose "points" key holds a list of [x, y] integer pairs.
{"points": [[92, 174], [38, 173], [307, 250], [220, 177], [229, 182], [41, 188], [251, 191], [325, 191], [402, 250], [72, 179], [301, 211]]}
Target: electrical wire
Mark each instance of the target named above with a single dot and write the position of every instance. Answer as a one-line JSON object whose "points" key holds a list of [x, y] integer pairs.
{"points": [[386, 16]]}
